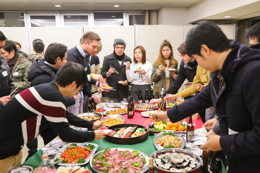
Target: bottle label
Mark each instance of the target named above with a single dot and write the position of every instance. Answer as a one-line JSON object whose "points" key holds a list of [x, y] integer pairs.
{"points": [[147, 101], [140, 101], [190, 135], [131, 113]]}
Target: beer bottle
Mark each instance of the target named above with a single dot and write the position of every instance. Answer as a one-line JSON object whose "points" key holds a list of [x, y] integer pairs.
{"points": [[156, 96], [140, 97], [151, 167], [190, 130], [130, 108], [94, 106], [147, 97], [151, 96], [205, 158], [90, 105]]}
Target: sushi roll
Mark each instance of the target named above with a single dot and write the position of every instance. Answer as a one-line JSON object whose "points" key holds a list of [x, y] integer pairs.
{"points": [[181, 170], [166, 167], [193, 166], [185, 164], [174, 169], [157, 160], [193, 162], [161, 165], [188, 169], [161, 156], [191, 159]]}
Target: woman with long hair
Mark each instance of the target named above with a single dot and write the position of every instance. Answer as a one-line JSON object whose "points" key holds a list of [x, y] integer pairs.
{"points": [[139, 73], [161, 76]]}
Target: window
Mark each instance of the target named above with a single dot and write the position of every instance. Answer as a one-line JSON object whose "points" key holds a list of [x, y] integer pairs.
{"points": [[11, 19], [136, 19], [43, 21], [108, 19], [75, 20]]}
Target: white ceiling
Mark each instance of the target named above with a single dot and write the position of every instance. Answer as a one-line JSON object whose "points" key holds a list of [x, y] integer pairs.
{"points": [[90, 5]]}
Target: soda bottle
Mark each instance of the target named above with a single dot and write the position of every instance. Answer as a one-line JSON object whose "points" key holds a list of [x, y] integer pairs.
{"points": [[140, 97], [147, 97], [130, 108]]}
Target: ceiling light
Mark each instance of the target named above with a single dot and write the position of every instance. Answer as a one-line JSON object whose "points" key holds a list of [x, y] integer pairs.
{"points": [[113, 16], [227, 16], [57, 5], [116, 5]]}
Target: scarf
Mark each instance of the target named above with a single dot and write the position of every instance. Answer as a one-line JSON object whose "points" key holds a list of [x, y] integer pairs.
{"points": [[12, 62], [119, 58], [191, 65]]}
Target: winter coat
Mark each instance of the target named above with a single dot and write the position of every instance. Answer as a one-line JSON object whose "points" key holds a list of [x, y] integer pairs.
{"points": [[6, 83], [184, 73], [41, 72], [236, 101], [20, 72], [112, 80], [160, 79]]}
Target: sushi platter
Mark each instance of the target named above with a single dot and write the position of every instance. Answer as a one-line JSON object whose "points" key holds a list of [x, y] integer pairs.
{"points": [[169, 140], [120, 160], [127, 134], [176, 160]]}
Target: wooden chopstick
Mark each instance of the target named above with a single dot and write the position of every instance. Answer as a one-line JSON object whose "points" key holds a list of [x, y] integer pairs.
{"points": [[14, 90], [146, 121]]}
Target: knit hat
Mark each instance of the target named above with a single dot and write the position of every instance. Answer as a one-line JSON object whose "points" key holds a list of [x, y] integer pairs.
{"points": [[119, 41]]}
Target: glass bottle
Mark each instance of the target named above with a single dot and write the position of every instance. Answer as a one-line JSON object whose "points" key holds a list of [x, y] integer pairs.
{"points": [[151, 96], [179, 99], [140, 97], [190, 130], [147, 97], [156, 96], [46, 166], [130, 108], [162, 105], [151, 167]]}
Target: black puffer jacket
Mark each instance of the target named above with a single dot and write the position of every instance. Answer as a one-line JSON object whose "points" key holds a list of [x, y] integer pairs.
{"points": [[42, 72], [6, 83]]}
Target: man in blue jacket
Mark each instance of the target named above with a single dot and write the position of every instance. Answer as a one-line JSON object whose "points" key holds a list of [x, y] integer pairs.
{"points": [[233, 91]]}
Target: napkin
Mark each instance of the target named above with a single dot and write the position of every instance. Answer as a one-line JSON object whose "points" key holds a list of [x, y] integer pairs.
{"points": [[53, 147]]}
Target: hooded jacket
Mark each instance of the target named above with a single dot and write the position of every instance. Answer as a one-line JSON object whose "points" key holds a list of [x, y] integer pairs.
{"points": [[41, 72], [236, 102]]}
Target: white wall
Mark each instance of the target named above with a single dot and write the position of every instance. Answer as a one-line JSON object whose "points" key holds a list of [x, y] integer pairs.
{"points": [[69, 36], [17, 34], [109, 34], [209, 8], [173, 16], [151, 37], [228, 30]]}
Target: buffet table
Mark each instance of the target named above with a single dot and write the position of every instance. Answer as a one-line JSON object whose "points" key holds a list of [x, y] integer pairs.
{"points": [[146, 147]]}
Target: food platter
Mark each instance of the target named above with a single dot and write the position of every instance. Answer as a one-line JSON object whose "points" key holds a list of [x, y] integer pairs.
{"points": [[120, 111], [137, 134], [160, 135], [128, 157], [147, 113], [173, 160], [91, 116], [65, 147], [107, 88], [180, 126], [145, 107], [113, 117]]}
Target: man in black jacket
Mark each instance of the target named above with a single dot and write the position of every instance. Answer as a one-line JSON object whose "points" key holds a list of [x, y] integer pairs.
{"points": [[114, 70], [80, 54], [234, 93], [44, 71], [254, 36], [6, 83]]}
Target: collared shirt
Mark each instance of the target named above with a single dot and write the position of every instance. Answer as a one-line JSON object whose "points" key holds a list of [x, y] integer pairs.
{"points": [[81, 51]]}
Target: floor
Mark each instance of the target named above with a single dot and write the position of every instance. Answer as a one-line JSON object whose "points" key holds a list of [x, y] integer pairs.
{"points": [[25, 149]]}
